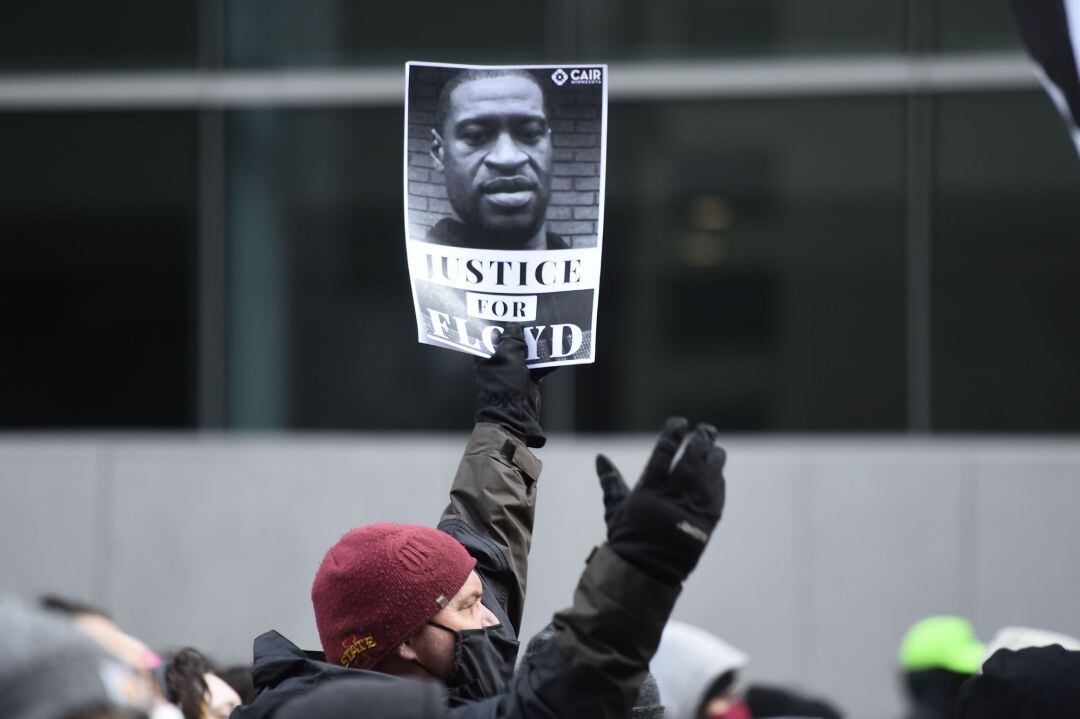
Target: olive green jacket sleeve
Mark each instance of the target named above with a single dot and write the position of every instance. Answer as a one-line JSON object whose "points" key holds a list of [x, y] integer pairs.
{"points": [[492, 503], [612, 630], [594, 666]]}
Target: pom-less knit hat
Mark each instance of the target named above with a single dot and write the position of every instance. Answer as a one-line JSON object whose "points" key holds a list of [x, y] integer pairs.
{"points": [[379, 584]]}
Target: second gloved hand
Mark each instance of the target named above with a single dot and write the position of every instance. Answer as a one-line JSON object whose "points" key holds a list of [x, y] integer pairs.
{"points": [[663, 525]]}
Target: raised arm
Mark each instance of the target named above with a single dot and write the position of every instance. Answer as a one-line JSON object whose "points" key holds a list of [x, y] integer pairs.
{"points": [[493, 498], [594, 666]]}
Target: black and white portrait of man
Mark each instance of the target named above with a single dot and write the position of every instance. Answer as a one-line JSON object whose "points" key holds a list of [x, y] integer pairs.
{"points": [[503, 159], [492, 142]]}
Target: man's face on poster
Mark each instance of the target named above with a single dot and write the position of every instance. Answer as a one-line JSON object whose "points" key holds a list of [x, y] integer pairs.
{"points": [[495, 149]]}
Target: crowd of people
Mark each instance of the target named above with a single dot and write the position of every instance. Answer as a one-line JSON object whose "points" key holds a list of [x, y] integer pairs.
{"points": [[419, 622]]}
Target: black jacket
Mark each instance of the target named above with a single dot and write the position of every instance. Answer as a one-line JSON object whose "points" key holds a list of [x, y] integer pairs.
{"points": [[1031, 683]]}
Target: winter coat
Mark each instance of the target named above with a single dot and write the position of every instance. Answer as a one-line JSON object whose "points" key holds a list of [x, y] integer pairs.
{"points": [[396, 699]]}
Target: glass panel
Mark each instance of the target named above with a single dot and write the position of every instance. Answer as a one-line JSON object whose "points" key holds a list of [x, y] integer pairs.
{"points": [[704, 28], [98, 220], [76, 35], [753, 275], [329, 32], [754, 267], [323, 333], [1006, 262], [976, 25]]}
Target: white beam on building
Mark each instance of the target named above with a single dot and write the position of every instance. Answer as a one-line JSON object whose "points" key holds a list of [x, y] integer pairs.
{"points": [[635, 81]]}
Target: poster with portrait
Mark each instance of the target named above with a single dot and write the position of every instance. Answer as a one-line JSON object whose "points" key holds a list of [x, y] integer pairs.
{"points": [[504, 205]]}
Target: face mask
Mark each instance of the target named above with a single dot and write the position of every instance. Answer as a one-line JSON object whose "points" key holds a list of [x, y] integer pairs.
{"points": [[483, 663]]}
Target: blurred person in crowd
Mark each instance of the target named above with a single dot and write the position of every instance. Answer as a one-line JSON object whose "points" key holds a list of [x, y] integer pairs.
{"points": [[769, 701], [221, 699], [698, 676], [51, 670], [239, 678], [648, 705], [1023, 637], [133, 652], [193, 685], [97, 624], [445, 605], [695, 670], [937, 655], [1032, 683], [492, 141]]}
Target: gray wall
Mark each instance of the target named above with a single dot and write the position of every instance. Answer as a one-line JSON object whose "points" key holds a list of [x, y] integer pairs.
{"points": [[828, 551]]}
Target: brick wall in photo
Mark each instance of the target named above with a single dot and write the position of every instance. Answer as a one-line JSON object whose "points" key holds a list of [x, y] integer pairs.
{"points": [[574, 211]]}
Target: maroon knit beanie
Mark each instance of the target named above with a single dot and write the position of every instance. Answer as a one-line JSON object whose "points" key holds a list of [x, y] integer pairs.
{"points": [[379, 584]]}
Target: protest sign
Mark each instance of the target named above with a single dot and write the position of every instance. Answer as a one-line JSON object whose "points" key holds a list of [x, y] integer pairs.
{"points": [[504, 205]]}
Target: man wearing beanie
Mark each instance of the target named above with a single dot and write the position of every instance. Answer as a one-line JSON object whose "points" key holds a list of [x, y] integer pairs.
{"points": [[446, 604], [405, 599]]}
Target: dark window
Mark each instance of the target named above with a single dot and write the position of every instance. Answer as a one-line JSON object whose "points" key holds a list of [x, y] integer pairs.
{"points": [[971, 25], [322, 327], [76, 35], [1006, 339], [752, 275], [753, 267], [331, 32], [98, 221], [611, 29]]}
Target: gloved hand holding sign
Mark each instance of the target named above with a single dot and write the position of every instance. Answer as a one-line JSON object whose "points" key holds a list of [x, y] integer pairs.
{"points": [[664, 523], [509, 391]]}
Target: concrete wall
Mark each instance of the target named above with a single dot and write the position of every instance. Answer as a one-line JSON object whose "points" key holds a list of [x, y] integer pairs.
{"points": [[828, 551]]}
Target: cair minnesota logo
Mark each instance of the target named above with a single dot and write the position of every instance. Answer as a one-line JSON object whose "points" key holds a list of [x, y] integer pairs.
{"points": [[578, 76]]}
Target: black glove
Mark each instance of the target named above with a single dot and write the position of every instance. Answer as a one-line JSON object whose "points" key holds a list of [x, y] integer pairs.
{"points": [[509, 391], [664, 523]]}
